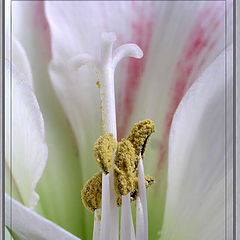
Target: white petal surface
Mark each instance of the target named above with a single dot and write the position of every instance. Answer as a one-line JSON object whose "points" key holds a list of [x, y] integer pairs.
{"points": [[28, 225], [199, 152], [18, 57], [26, 149], [62, 180], [14, 52]]}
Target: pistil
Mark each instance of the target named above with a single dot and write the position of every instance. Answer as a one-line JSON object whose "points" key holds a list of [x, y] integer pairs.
{"points": [[105, 67]]}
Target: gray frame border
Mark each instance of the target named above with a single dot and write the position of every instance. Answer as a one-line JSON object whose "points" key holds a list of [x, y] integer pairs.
{"points": [[236, 218], [2, 122]]}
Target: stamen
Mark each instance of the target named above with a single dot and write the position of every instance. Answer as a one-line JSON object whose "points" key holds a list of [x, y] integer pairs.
{"points": [[139, 220], [142, 197], [127, 228], [97, 224], [149, 181], [124, 167], [104, 150], [139, 137], [92, 192]]}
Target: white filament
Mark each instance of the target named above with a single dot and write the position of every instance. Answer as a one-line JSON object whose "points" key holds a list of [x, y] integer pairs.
{"points": [[97, 225], [127, 228], [139, 220], [106, 208], [143, 197], [105, 69]]}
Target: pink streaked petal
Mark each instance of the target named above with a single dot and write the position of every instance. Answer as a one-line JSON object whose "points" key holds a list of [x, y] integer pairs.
{"points": [[199, 151], [141, 35], [41, 21], [203, 40], [32, 16]]}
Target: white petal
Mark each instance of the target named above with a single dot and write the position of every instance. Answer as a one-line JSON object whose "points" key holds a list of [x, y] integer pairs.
{"points": [[26, 149], [18, 57], [76, 90], [178, 42], [29, 225], [62, 179], [14, 52], [197, 205]]}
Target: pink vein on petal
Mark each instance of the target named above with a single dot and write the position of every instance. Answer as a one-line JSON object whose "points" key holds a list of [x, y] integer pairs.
{"points": [[42, 24], [198, 47], [141, 35]]}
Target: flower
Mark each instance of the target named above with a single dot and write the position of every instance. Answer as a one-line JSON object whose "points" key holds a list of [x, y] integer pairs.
{"points": [[184, 47]]}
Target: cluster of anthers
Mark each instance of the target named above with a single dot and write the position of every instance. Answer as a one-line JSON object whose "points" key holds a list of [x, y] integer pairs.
{"points": [[124, 166]]}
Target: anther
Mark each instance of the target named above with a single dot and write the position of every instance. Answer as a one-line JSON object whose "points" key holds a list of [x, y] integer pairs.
{"points": [[92, 192], [104, 150], [124, 167], [149, 181], [139, 137]]}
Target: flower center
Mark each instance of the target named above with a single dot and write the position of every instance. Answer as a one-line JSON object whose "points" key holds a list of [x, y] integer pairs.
{"points": [[121, 177]]}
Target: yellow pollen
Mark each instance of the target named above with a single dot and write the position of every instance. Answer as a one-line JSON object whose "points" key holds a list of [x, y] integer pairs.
{"points": [[104, 150], [149, 181], [99, 217], [124, 167], [139, 137], [92, 192], [98, 84]]}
